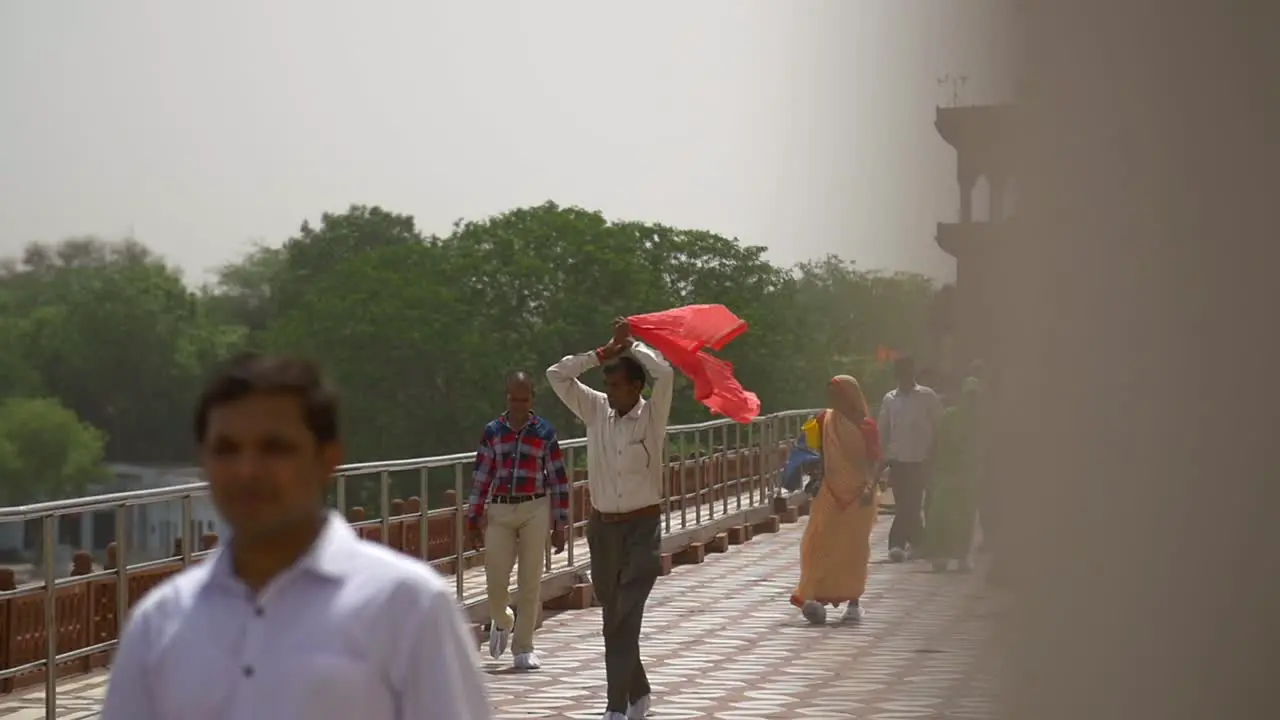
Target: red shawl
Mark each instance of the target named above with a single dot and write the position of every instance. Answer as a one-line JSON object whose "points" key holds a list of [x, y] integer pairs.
{"points": [[683, 336]]}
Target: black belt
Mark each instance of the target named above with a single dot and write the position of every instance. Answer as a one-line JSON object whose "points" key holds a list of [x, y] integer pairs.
{"points": [[516, 499]]}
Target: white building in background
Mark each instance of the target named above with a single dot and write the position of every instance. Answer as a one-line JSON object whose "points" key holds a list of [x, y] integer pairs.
{"points": [[152, 527]]}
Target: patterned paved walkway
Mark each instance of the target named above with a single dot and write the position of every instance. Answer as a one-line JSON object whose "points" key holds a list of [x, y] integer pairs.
{"points": [[721, 641]]}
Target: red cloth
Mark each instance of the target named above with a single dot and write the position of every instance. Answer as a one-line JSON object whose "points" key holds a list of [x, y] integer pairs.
{"points": [[683, 336]]}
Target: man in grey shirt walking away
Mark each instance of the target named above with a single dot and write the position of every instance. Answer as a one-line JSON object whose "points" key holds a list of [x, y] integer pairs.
{"points": [[625, 437], [909, 417]]}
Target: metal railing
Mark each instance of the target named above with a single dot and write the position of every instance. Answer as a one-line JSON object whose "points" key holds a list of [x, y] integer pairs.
{"points": [[744, 459]]}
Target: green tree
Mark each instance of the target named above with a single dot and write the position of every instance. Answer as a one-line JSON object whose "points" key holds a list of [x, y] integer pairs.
{"points": [[552, 278], [315, 252], [420, 331], [118, 337], [46, 452], [389, 328], [242, 292], [841, 315], [17, 376]]}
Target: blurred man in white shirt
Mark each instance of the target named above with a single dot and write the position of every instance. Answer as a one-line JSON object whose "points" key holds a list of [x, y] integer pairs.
{"points": [[296, 618]]}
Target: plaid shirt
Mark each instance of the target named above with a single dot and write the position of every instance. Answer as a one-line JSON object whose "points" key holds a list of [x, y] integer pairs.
{"points": [[524, 462]]}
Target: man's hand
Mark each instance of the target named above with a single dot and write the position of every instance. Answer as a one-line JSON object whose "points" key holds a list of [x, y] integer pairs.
{"points": [[619, 343], [475, 533], [558, 537], [621, 332]]}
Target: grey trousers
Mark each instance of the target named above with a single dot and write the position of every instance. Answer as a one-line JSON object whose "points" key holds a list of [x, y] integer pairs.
{"points": [[625, 563]]}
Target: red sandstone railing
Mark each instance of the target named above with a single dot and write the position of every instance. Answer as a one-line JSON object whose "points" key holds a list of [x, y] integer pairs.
{"points": [[737, 470]]}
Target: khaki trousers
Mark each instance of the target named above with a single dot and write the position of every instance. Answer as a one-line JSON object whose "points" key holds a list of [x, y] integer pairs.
{"points": [[517, 535]]}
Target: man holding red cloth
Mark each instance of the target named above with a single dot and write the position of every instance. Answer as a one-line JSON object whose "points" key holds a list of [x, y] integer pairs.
{"points": [[625, 436]]}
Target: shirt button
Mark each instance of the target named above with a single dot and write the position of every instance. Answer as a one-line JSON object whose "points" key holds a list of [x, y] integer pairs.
{"points": [[258, 611], [248, 671]]}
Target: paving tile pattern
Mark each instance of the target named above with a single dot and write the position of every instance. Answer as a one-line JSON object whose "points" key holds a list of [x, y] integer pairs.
{"points": [[721, 641]]}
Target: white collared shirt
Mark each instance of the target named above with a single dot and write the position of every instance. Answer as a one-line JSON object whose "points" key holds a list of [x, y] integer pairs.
{"points": [[624, 452], [353, 630], [909, 423]]}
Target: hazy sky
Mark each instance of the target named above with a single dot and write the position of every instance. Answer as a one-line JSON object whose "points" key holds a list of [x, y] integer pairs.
{"points": [[802, 125]]}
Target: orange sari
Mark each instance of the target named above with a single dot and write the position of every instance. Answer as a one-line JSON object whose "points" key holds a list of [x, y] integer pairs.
{"points": [[836, 546]]}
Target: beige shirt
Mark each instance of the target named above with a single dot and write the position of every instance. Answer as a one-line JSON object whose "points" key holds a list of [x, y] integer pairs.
{"points": [[624, 452], [909, 424]]}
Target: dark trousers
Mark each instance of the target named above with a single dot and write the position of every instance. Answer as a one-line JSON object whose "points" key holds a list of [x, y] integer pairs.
{"points": [[908, 480], [625, 563]]}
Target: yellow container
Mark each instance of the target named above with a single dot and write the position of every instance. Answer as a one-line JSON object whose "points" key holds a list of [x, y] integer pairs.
{"points": [[813, 434]]}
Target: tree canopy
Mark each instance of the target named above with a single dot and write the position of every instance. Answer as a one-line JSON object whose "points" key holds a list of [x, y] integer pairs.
{"points": [[104, 342]]}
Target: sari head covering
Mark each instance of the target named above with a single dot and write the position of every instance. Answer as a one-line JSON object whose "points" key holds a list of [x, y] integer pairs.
{"points": [[846, 394]]}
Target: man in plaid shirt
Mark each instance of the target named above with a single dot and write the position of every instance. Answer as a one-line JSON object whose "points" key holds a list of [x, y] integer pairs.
{"points": [[519, 496]]}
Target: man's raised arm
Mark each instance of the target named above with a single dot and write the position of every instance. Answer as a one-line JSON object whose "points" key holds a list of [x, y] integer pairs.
{"points": [[664, 378], [580, 399]]}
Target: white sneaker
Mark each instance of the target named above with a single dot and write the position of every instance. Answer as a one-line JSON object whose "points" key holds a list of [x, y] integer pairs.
{"points": [[897, 555], [639, 709], [814, 612], [853, 613], [527, 661], [611, 715], [498, 639]]}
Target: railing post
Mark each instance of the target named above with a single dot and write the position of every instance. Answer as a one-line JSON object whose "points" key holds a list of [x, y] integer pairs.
{"points": [[684, 490], [188, 537], [722, 479], [572, 530], [8, 582], [384, 505], [341, 493], [708, 468], [49, 530], [777, 427], [766, 438], [667, 489], [698, 480], [424, 534], [757, 449], [122, 568], [737, 464], [459, 520]]}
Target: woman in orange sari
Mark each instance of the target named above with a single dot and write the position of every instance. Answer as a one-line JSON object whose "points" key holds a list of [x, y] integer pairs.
{"points": [[836, 546]]}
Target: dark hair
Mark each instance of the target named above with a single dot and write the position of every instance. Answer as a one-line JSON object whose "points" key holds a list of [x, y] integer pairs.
{"points": [[520, 377], [904, 364], [631, 367], [257, 374]]}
